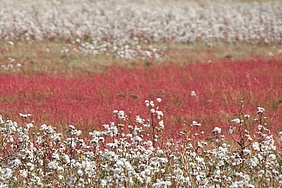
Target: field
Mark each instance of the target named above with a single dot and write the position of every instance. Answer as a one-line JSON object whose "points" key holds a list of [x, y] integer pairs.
{"points": [[169, 94]]}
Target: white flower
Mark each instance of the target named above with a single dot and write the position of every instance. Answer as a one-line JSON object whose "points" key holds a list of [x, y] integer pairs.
{"points": [[60, 169], [236, 120], [79, 172], [260, 110], [7, 173], [271, 157], [254, 161], [24, 173], [256, 146], [196, 124], [193, 94], [29, 125], [1, 120], [159, 100], [11, 43], [103, 183], [231, 129], [161, 124], [216, 130], [139, 120], [247, 116], [159, 114], [121, 115], [53, 165], [24, 115], [246, 151], [147, 103], [78, 132], [60, 177], [56, 156]]}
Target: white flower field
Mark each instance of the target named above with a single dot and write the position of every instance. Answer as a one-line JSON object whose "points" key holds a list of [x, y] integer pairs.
{"points": [[137, 151]]}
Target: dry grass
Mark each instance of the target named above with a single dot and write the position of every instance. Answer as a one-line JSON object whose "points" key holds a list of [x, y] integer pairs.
{"points": [[46, 56]]}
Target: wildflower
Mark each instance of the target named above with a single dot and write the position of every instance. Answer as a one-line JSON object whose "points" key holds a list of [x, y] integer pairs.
{"points": [[1, 120], [196, 124], [236, 121], [103, 183], [7, 173], [147, 103], [139, 120], [254, 161], [256, 146], [29, 125], [11, 60], [247, 116], [260, 127], [11, 43], [53, 165], [60, 170], [246, 151], [115, 112], [121, 115], [271, 157], [23, 115], [159, 114], [159, 100], [56, 156], [23, 173], [216, 130], [231, 129], [80, 173], [192, 94], [260, 110], [161, 124]]}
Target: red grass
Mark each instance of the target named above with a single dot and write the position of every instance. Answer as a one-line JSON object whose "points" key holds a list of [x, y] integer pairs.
{"points": [[87, 101]]}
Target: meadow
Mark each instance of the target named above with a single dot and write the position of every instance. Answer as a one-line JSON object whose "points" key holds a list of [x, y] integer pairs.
{"points": [[141, 94]]}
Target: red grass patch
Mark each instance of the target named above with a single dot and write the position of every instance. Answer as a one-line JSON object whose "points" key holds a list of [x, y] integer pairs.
{"points": [[87, 101]]}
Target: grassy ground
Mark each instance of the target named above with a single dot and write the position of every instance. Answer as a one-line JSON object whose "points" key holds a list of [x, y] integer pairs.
{"points": [[46, 56]]}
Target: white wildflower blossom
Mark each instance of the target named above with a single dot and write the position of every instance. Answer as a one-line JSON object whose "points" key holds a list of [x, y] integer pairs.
{"points": [[271, 157], [247, 152], [79, 172], [159, 114], [236, 120], [196, 124], [24, 173], [139, 120], [161, 124], [192, 94], [1, 120], [147, 103], [53, 165], [256, 146], [260, 110], [121, 115], [216, 130], [152, 104]]}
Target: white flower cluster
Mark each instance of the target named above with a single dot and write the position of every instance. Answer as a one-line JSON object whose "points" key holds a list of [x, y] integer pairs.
{"points": [[130, 157], [10, 64], [121, 28]]}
